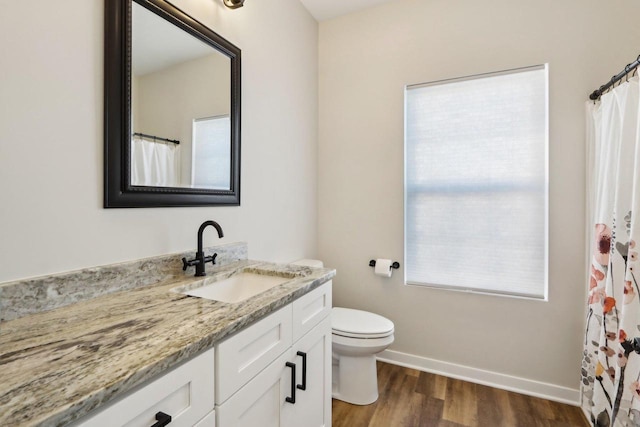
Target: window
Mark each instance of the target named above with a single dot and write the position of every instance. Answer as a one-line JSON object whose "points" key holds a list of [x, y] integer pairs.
{"points": [[476, 183], [210, 165]]}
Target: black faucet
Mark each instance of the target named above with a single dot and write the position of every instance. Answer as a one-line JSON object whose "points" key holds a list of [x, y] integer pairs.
{"points": [[200, 259]]}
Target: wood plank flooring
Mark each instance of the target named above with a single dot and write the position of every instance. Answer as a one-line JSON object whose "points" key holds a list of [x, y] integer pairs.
{"points": [[410, 398]]}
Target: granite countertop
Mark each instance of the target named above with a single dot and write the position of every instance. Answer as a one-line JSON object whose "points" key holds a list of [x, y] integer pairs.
{"points": [[57, 366]]}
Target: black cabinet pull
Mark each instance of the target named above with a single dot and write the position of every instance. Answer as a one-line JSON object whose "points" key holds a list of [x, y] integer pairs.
{"points": [[303, 386], [292, 398], [163, 419]]}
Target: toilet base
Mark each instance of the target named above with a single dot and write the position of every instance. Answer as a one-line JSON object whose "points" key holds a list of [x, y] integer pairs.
{"points": [[355, 379]]}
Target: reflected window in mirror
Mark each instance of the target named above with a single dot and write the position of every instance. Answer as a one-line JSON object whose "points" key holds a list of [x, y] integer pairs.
{"points": [[211, 148]]}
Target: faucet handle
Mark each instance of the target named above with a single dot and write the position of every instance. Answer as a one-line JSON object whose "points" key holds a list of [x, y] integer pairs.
{"points": [[186, 263], [211, 258]]}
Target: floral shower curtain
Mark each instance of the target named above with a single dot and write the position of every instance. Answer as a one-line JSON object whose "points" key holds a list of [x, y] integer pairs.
{"points": [[611, 358]]}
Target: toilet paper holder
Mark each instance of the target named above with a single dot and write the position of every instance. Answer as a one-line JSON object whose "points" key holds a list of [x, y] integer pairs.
{"points": [[395, 264]]}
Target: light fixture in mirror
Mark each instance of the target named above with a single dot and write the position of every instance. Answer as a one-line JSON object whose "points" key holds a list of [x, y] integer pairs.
{"points": [[172, 109]]}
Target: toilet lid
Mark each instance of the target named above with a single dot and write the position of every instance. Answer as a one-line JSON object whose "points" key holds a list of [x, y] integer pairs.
{"points": [[350, 322]]}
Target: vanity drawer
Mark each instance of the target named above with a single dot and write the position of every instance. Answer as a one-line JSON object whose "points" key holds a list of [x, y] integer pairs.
{"points": [[310, 309], [242, 356], [185, 393]]}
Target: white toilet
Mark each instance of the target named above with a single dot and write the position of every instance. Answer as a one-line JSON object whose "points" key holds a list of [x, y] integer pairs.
{"points": [[357, 336]]}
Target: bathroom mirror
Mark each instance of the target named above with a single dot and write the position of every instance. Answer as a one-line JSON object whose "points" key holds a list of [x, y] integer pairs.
{"points": [[172, 109]]}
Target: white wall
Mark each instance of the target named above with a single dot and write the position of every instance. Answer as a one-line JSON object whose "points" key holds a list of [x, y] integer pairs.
{"points": [[51, 145], [366, 58]]}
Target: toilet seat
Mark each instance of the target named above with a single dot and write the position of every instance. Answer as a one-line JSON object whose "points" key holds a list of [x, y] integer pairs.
{"points": [[347, 322]]}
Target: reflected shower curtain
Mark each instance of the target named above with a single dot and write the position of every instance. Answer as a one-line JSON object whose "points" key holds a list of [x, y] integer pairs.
{"points": [[154, 163], [611, 358]]}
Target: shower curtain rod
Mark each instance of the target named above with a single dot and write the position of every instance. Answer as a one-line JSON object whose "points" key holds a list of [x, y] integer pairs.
{"points": [[602, 89], [156, 138]]}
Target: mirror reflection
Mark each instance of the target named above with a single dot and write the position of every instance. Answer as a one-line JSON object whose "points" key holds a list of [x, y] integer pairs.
{"points": [[180, 106]]}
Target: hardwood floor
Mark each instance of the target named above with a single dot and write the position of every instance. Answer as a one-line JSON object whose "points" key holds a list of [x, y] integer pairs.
{"points": [[410, 398]]}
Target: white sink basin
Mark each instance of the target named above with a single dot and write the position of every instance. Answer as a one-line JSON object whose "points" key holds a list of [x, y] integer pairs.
{"points": [[238, 287]]}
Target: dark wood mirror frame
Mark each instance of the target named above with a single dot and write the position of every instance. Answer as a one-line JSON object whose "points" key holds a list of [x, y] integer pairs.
{"points": [[118, 191]]}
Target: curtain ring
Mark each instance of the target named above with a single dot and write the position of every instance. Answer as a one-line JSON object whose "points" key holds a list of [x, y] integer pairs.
{"points": [[626, 72]]}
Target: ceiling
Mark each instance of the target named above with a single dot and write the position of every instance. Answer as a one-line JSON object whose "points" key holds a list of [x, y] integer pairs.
{"points": [[327, 9], [158, 44]]}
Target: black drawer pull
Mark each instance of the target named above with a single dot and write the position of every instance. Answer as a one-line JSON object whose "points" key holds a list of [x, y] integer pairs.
{"points": [[292, 398], [303, 386], [163, 419]]}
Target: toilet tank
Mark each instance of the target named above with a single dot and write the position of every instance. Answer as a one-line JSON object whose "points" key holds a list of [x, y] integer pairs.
{"points": [[315, 263]]}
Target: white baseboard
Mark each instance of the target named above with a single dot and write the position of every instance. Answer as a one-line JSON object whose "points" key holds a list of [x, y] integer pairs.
{"points": [[494, 379]]}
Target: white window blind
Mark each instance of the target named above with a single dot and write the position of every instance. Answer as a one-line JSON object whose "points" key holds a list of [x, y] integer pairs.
{"points": [[476, 183], [211, 164]]}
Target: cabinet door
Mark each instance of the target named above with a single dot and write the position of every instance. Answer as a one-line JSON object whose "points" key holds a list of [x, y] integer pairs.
{"points": [[313, 405], [208, 421], [262, 401]]}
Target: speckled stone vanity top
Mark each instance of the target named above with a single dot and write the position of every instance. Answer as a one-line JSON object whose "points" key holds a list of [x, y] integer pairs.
{"points": [[58, 365]]}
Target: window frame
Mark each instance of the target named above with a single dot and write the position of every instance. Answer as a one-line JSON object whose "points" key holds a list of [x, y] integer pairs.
{"points": [[466, 289]]}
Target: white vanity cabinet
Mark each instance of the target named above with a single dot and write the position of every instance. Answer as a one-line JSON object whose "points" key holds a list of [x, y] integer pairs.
{"points": [[185, 393], [246, 380], [256, 385]]}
